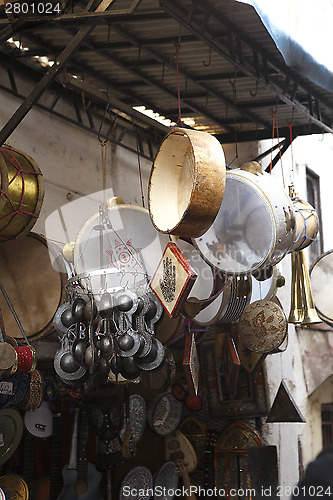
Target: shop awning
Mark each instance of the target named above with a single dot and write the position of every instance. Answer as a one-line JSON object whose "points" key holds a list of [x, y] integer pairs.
{"points": [[301, 30]]}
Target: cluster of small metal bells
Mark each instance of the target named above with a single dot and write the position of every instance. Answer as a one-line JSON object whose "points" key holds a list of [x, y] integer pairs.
{"points": [[110, 337]]}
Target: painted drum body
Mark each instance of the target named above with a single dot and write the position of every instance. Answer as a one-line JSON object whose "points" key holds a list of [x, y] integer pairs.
{"points": [[255, 226], [23, 188], [186, 183], [307, 224]]}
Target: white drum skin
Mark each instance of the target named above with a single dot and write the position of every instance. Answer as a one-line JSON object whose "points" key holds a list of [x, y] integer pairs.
{"points": [[321, 279], [237, 242]]}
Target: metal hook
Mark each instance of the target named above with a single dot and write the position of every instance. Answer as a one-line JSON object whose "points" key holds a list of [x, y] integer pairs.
{"points": [[209, 58], [102, 122], [253, 94]]}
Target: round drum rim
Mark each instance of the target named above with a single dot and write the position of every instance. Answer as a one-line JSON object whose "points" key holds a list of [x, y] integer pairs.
{"points": [[321, 315], [207, 185], [48, 327], [274, 253], [40, 192]]}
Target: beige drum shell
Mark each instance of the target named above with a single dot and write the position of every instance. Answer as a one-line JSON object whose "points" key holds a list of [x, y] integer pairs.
{"points": [[321, 279], [307, 223], [262, 326], [34, 287], [24, 191], [186, 204], [229, 305]]}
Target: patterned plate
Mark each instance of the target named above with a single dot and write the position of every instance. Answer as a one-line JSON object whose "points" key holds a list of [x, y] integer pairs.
{"points": [[164, 413], [166, 477], [262, 326], [11, 430], [138, 478], [137, 408]]}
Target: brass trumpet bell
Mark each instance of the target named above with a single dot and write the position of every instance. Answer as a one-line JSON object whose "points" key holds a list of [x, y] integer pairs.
{"points": [[302, 310]]}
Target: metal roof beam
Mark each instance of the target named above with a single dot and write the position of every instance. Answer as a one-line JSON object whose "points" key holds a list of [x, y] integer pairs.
{"points": [[208, 90], [93, 112], [151, 81]]}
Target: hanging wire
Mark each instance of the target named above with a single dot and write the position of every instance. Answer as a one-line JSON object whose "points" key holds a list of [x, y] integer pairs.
{"points": [[139, 165], [275, 125], [233, 82], [175, 55]]}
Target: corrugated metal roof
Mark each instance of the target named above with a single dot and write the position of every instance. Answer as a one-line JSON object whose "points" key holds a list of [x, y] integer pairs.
{"points": [[230, 80]]}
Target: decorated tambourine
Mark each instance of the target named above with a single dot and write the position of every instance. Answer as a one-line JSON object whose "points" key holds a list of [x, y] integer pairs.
{"points": [[118, 249], [255, 226], [166, 479], [11, 430], [164, 413], [138, 479], [137, 410], [262, 326]]}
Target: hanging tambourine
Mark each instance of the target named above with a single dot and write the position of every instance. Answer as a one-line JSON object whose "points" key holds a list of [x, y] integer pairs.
{"points": [[186, 183]]}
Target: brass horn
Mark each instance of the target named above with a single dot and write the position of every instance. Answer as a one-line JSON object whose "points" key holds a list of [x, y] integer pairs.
{"points": [[302, 310]]}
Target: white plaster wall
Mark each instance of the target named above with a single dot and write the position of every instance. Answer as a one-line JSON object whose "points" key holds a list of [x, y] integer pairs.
{"points": [[315, 152]]}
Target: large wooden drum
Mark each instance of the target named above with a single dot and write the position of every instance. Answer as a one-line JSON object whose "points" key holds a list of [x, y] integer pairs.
{"points": [[255, 226], [22, 193], [186, 183], [33, 286]]}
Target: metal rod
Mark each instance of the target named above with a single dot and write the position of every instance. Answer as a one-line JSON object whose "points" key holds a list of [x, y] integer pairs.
{"points": [[10, 305]]}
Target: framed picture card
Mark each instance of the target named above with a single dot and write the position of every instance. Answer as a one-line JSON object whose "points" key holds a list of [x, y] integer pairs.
{"points": [[173, 280]]}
